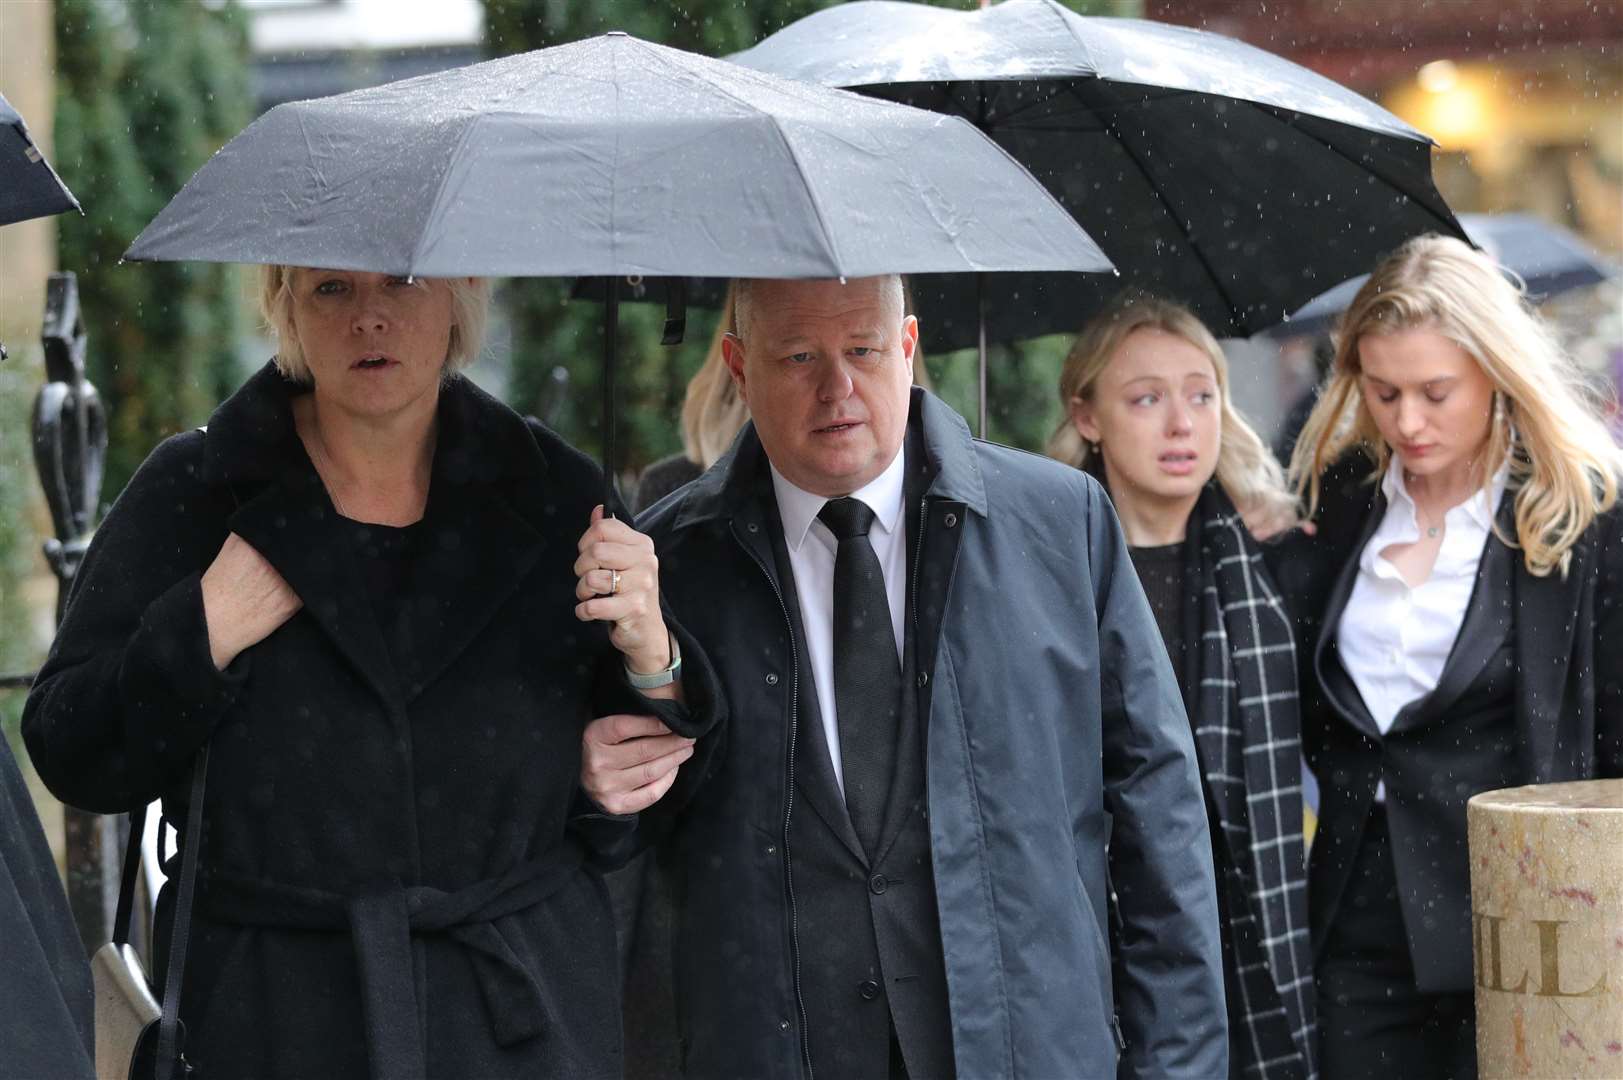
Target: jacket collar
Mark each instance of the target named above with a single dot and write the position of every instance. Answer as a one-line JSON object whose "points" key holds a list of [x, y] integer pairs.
{"points": [[949, 457], [480, 534]]}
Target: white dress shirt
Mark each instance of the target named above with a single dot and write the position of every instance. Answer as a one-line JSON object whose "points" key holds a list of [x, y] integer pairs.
{"points": [[1395, 639], [812, 548]]}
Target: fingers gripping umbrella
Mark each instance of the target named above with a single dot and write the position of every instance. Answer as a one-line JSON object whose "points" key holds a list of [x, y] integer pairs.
{"points": [[613, 157], [1208, 170], [29, 187]]}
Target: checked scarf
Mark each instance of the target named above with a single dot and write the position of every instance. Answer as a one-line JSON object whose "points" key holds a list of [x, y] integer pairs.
{"points": [[1248, 729]]}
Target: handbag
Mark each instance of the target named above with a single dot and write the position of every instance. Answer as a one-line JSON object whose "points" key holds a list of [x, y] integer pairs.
{"points": [[137, 1037]]}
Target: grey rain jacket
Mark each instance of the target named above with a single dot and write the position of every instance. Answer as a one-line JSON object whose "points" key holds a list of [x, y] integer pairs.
{"points": [[1059, 763]]}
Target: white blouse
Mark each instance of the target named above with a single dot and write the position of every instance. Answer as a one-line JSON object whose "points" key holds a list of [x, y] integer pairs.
{"points": [[1394, 639]]}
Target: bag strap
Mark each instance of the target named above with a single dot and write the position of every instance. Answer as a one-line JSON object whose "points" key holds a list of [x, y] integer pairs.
{"points": [[126, 885], [180, 935]]}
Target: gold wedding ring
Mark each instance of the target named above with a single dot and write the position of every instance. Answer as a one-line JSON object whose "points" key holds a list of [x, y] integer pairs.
{"points": [[614, 583]]}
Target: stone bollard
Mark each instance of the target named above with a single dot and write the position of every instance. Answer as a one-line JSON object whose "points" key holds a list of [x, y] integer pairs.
{"points": [[1547, 915]]}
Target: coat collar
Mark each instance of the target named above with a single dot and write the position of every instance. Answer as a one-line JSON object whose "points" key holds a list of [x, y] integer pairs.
{"points": [[252, 442], [479, 535], [1486, 624], [949, 457], [1342, 690]]}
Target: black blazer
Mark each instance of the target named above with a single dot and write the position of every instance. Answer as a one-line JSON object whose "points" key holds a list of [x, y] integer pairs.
{"points": [[1532, 693]]}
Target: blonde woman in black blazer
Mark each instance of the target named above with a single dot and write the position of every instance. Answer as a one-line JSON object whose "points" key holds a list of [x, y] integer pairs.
{"points": [[1460, 613]]}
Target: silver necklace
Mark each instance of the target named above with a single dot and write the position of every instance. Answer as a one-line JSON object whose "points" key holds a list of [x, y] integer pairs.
{"points": [[324, 468]]}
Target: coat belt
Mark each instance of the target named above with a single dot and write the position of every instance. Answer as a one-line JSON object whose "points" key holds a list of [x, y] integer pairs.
{"points": [[381, 924]]}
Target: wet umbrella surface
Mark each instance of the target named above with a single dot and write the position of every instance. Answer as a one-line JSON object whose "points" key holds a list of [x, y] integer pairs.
{"points": [[29, 187], [1548, 259], [1210, 171], [612, 157]]}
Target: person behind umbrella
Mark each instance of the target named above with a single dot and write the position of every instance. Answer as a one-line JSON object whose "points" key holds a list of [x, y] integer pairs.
{"points": [[1148, 413], [712, 413], [366, 589], [857, 900], [1461, 614]]}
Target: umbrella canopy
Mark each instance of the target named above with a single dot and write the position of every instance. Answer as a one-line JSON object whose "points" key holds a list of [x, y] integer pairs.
{"points": [[1548, 259], [613, 156], [1208, 170], [29, 187]]}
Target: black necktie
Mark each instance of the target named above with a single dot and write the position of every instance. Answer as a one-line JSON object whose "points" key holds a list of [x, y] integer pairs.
{"points": [[867, 677]]}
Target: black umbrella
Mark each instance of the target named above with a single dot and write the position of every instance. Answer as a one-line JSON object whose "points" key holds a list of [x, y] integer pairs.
{"points": [[612, 157], [1548, 259], [1210, 171], [29, 187]]}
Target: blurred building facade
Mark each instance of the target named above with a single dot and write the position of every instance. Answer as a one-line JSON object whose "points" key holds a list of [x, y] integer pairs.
{"points": [[1524, 97], [314, 48]]}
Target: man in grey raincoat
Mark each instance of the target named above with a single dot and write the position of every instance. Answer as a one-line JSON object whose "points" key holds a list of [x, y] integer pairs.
{"points": [[900, 863]]}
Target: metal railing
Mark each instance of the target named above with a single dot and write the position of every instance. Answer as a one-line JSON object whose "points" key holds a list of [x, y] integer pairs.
{"points": [[70, 451]]}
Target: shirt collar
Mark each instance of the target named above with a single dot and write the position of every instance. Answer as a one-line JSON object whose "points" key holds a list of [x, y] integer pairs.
{"points": [[1480, 507], [798, 508]]}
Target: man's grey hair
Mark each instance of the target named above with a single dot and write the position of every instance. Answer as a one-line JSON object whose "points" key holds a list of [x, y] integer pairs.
{"points": [[744, 299]]}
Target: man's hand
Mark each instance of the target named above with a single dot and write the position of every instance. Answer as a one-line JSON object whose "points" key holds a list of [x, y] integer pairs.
{"points": [[628, 763], [244, 600]]}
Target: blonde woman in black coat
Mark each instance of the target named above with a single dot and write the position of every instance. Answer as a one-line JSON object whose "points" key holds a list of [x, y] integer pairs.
{"points": [[1461, 618], [387, 605], [1146, 394]]}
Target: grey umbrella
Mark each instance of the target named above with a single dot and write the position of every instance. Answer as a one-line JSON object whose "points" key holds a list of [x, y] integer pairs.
{"points": [[29, 187], [1216, 173], [612, 157], [1547, 259]]}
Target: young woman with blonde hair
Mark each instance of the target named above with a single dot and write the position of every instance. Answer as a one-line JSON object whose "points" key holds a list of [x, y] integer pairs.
{"points": [[1148, 413], [1461, 614]]}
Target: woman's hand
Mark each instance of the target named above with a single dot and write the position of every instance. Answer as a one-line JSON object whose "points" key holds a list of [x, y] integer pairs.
{"points": [[619, 583], [628, 763], [244, 600], [1266, 524]]}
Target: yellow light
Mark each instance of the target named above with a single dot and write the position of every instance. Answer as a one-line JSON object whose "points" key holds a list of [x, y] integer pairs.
{"points": [[1438, 77], [1455, 105]]}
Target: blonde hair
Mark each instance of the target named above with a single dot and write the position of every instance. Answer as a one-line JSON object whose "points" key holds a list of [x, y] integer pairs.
{"points": [[470, 312], [1565, 466], [1247, 470], [713, 411]]}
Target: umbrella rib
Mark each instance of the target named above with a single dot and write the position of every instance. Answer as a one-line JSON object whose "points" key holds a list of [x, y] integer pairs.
{"points": [[777, 127], [1064, 15], [436, 205], [1161, 197], [1286, 118], [811, 194]]}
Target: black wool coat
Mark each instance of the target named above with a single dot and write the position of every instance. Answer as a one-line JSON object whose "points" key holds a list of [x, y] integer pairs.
{"points": [[1564, 636], [393, 879]]}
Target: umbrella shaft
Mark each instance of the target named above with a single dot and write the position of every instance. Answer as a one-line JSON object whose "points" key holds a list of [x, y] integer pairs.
{"points": [[611, 326], [980, 307]]}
